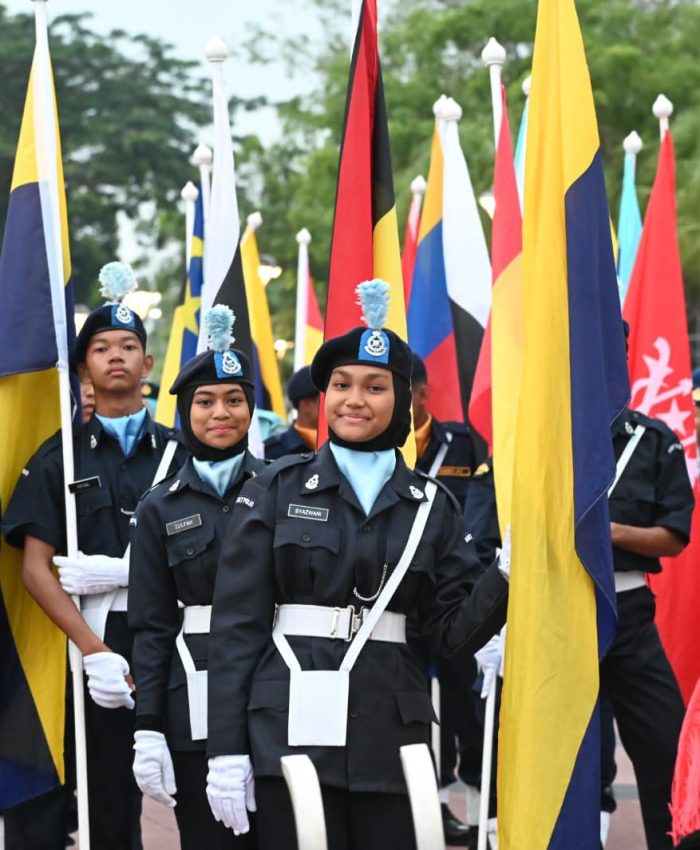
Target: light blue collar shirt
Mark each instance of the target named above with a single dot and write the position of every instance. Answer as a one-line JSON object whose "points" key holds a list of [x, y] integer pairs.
{"points": [[367, 472]]}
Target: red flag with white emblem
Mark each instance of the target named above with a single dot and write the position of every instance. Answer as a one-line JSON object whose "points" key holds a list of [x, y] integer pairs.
{"points": [[660, 372]]}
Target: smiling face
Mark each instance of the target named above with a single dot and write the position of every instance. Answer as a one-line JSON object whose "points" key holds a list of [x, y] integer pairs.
{"points": [[115, 362], [219, 415], [359, 402]]}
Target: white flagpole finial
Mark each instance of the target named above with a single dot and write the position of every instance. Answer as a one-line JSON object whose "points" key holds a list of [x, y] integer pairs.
{"points": [[303, 237], [662, 109], [438, 106], [527, 85], [202, 155], [633, 143], [254, 220], [189, 192], [493, 54], [216, 49], [451, 110], [418, 185]]}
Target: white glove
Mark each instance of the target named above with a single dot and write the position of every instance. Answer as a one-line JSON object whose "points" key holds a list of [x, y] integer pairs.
{"points": [[153, 766], [106, 682], [504, 556], [231, 791], [488, 660], [86, 574]]}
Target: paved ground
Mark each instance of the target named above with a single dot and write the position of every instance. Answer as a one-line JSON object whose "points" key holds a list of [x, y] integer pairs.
{"points": [[160, 832]]}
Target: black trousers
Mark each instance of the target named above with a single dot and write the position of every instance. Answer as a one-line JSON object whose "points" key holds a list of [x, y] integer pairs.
{"points": [[38, 824], [197, 826], [354, 820], [637, 679]]}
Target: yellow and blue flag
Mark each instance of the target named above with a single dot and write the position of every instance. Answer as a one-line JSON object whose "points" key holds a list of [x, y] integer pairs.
{"points": [[268, 387], [36, 326], [561, 610], [184, 331]]}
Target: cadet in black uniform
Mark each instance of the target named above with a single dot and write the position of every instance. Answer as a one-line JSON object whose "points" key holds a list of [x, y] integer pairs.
{"points": [[176, 538], [117, 455], [313, 543], [301, 434], [650, 512], [446, 450]]}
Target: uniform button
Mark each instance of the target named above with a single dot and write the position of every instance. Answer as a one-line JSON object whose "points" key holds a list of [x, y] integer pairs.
{"points": [[366, 528], [306, 537], [190, 551], [353, 714], [226, 509]]}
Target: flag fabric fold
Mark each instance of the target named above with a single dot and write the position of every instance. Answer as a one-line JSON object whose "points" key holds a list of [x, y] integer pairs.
{"points": [[410, 242], [184, 330], [629, 227], [308, 328], [365, 240], [36, 328], [660, 370], [561, 611], [429, 315], [268, 388]]}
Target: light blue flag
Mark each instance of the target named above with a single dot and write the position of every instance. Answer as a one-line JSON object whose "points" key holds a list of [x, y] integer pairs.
{"points": [[520, 154], [629, 229]]}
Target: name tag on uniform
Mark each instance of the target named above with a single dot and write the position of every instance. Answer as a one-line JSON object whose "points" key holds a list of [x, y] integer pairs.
{"points": [[184, 524], [306, 512], [455, 471], [84, 484]]}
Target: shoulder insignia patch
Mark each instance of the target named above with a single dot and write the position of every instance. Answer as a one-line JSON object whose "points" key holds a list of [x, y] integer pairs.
{"points": [[674, 447], [244, 500]]}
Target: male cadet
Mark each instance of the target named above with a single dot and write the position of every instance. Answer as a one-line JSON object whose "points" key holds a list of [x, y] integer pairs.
{"points": [[446, 451], [650, 510], [300, 437], [118, 454]]}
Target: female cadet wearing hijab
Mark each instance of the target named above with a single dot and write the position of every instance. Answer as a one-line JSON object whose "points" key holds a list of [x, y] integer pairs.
{"points": [[316, 546], [176, 540]]}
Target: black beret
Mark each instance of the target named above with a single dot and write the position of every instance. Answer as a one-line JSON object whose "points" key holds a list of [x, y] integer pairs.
{"points": [[301, 386], [214, 367], [108, 317], [420, 373], [365, 347]]}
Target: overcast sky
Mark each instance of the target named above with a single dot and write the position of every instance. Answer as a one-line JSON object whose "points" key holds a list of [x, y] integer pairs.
{"points": [[188, 25]]}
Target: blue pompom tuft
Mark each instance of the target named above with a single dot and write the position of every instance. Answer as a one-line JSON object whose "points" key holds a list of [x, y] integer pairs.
{"points": [[218, 322], [374, 299], [117, 280]]}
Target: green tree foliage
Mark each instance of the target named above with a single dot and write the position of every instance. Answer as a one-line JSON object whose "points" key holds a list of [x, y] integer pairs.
{"points": [[129, 112], [635, 49]]}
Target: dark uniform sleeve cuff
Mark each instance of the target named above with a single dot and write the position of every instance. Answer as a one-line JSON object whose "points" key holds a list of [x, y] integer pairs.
{"points": [[152, 722]]}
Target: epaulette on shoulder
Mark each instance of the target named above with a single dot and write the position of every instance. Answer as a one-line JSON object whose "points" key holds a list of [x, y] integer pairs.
{"points": [[483, 469], [649, 422], [165, 480], [450, 495], [277, 465], [460, 428]]}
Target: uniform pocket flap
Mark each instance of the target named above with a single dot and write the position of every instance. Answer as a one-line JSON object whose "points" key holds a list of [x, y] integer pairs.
{"points": [[269, 694], [424, 561], [93, 500], [415, 707], [307, 535], [188, 544]]}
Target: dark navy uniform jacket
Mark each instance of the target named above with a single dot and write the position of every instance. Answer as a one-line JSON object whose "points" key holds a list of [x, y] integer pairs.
{"points": [[105, 503], [459, 463], [285, 443], [275, 552], [654, 488], [175, 544]]}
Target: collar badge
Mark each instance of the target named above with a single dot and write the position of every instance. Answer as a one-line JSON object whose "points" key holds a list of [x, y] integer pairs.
{"points": [[312, 483], [415, 492], [93, 441], [173, 487], [628, 428]]}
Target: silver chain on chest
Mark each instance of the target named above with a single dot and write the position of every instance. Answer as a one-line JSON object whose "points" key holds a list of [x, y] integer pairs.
{"points": [[379, 589]]}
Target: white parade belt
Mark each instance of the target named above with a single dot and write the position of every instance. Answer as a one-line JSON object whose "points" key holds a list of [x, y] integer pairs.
{"points": [[337, 623], [630, 580], [196, 620]]}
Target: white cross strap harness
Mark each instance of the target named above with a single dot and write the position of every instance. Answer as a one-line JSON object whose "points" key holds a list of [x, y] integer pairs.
{"points": [[97, 606], [318, 699], [631, 579]]}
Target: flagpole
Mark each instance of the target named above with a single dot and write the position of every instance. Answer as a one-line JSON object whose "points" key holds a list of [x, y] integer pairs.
{"points": [[631, 145], [493, 56], [203, 158], [44, 117], [189, 195], [663, 110], [303, 238]]}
